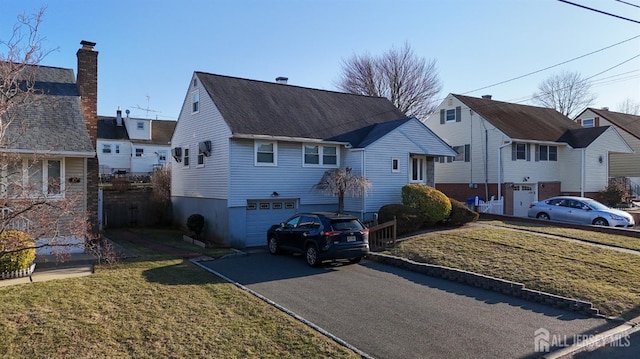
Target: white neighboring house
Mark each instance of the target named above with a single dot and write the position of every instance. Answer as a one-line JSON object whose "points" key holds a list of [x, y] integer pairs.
{"points": [[519, 152], [625, 167], [133, 145]]}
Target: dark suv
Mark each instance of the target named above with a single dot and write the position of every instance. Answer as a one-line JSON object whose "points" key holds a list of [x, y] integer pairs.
{"points": [[320, 236]]}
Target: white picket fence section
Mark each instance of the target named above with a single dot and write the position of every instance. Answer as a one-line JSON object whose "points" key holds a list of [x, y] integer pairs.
{"points": [[493, 206]]}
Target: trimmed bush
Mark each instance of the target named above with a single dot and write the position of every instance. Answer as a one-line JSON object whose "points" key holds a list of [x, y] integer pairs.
{"points": [[195, 223], [13, 240], [461, 214], [431, 203], [408, 219]]}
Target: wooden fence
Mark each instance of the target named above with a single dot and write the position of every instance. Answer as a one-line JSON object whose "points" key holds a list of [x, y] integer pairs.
{"points": [[382, 236]]}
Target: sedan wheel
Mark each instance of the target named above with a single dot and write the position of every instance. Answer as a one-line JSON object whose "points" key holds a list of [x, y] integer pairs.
{"points": [[600, 222], [273, 245], [312, 256], [543, 216]]}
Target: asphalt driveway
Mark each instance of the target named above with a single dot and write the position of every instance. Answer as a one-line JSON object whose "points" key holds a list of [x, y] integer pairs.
{"points": [[388, 312]]}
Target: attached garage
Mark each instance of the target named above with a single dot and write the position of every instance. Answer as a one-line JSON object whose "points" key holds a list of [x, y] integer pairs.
{"points": [[262, 213]]}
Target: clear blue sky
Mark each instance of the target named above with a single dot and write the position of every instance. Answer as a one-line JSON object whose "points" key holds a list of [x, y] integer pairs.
{"points": [[148, 50]]}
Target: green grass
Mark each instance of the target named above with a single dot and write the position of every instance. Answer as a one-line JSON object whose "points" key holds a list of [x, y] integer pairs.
{"points": [[153, 307], [591, 236], [607, 278]]}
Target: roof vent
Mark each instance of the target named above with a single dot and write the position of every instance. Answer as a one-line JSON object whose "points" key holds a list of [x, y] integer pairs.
{"points": [[605, 109], [282, 80], [486, 97]]}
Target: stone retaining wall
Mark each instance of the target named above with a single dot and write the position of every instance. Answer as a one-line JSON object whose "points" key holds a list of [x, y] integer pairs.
{"points": [[486, 282]]}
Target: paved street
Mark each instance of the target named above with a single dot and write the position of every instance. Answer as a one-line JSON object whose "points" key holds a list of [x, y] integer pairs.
{"points": [[388, 312]]}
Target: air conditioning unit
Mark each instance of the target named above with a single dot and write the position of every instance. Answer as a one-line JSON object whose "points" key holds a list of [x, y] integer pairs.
{"points": [[176, 152], [204, 147]]}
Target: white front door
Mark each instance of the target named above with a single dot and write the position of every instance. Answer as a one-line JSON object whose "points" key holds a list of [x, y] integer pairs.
{"points": [[523, 196], [418, 169]]}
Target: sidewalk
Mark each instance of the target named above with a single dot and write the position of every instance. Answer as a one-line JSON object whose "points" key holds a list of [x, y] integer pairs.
{"points": [[48, 268]]}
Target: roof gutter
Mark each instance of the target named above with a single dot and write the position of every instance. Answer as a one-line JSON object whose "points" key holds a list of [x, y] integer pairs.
{"points": [[87, 154], [285, 138]]}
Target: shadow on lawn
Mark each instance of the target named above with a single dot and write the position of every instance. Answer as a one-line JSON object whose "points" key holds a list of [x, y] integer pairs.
{"points": [[183, 273]]}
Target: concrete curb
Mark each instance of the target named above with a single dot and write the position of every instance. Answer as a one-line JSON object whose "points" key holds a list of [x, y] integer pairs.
{"points": [[283, 309], [614, 334]]}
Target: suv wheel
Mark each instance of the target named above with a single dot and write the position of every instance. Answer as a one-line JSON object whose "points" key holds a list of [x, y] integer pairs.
{"points": [[312, 256], [355, 260], [273, 245]]}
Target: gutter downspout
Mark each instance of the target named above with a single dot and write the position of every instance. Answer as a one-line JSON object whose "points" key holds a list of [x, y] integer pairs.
{"points": [[500, 168], [582, 163]]}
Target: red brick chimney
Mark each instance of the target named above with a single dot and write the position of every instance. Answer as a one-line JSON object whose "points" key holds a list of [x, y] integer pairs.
{"points": [[87, 83]]}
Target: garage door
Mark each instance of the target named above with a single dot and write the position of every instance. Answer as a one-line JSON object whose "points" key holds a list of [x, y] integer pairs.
{"points": [[261, 214]]}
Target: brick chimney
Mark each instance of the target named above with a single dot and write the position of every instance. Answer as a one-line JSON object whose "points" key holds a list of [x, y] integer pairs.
{"points": [[87, 83]]}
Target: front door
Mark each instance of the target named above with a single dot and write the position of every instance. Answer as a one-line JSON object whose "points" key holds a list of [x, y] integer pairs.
{"points": [[418, 169], [523, 196]]}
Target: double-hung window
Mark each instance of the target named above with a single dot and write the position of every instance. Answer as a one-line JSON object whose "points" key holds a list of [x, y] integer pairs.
{"points": [[520, 151], [106, 148], [320, 155], [266, 153], [195, 102], [185, 157], [547, 153], [139, 152]]}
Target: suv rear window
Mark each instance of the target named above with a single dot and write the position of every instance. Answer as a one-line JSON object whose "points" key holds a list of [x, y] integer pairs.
{"points": [[346, 225]]}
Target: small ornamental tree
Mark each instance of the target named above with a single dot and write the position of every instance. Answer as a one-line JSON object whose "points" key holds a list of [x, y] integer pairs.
{"points": [[434, 205], [342, 182], [195, 223]]}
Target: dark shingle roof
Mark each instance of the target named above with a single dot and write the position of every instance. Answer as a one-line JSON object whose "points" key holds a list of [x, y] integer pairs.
{"points": [[266, 108], [521, 121], [161, 132], [582, 137], [628, 123], [54, 121], [107, 129], [367, 135]]}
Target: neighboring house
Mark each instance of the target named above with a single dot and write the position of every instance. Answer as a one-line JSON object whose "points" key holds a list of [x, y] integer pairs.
{"points": [[519, 152], [54, 137], [249, 152], [626, 166], [133, 145]]}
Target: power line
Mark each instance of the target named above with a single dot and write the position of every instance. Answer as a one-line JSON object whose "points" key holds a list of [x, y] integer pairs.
{"points": [[552, 66], [628, 3], [599, 11]]}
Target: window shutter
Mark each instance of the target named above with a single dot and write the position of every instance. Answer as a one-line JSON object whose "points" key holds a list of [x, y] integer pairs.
{"points": [[596, 122], [537, 153], [458, 114], [442, 117], [513, 151], [579, 121], [528, 153], [467, 153]]}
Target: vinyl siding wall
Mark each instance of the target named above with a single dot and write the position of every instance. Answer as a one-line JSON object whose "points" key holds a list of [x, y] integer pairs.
{"points": [[114, 161], [149, 158], [212, 179]]}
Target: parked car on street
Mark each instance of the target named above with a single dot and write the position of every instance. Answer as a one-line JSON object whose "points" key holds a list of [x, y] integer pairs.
{"points": [[320, 236], [580, 210]]}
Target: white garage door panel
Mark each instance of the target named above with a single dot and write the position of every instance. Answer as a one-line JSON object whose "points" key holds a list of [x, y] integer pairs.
{"points": [[261, 214]]}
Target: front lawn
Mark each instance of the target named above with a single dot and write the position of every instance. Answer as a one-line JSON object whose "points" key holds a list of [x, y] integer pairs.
{"points": [[153, 307], [607, 278]]}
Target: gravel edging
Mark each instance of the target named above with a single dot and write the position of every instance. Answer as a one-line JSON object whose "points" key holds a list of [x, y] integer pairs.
{"points": [[514, 289]]}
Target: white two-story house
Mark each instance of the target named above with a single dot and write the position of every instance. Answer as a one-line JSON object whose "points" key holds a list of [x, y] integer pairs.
{"points": [[247, 153], [519, 152], [132, 145]]}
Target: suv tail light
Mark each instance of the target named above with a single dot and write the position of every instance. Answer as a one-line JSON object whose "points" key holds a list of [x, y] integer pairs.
{"points": [[332, 233]]}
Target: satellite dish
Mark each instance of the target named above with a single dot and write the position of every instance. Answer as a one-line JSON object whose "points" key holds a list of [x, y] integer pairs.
{"points": [[127, 111]]}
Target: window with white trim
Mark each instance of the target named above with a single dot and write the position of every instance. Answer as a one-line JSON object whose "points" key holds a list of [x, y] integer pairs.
{"points": [[200, 159], [106, 148], [418, 169], [588, 122], [28, 178], [547, 153], [395, 165], [266, 153], [185, 157], [139, 152], [117, 148], [520, 151], [195, 101], [140, 125], [320, 155]]}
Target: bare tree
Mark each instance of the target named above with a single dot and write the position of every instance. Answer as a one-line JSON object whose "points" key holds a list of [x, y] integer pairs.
{"points": [[566, 92], [409, 82], [161, 194], [629, 106], [47, 208], [340, 182]]}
